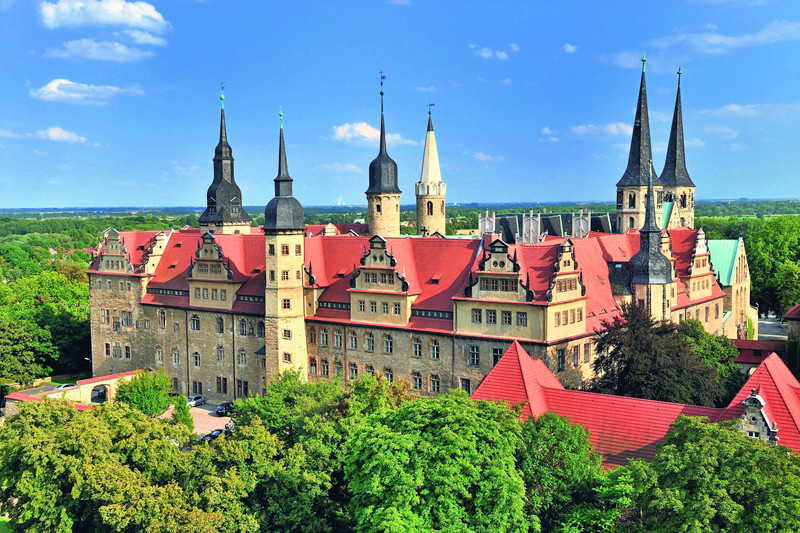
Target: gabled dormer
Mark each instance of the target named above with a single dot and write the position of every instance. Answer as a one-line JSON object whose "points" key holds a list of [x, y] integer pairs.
{"points": [[154, 252], [566, 282], [754, 420], [498, 275], [701, 271], [114, 255], [211, 275]]}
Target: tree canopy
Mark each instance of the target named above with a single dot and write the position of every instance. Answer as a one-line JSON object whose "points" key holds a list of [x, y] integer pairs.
{"points": [[147, 392]]}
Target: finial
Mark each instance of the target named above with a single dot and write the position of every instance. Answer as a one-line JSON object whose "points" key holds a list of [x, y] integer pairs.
{"points": [[644, 60], [222, 94], [382, 77], [280, 114], [430, 105], [679, 76]]}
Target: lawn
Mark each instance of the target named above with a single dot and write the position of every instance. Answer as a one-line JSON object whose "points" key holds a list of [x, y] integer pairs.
{"points": [[4, 526]]}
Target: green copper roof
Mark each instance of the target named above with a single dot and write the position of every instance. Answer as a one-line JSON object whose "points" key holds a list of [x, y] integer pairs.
{"points": [[667, 206], [723, 257]]}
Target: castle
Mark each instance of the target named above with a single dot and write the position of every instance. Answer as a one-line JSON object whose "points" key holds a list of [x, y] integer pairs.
{"points": [[223, 307]]}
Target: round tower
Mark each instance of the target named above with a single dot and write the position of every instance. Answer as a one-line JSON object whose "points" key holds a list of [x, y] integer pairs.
{"points": [[383, 194]]}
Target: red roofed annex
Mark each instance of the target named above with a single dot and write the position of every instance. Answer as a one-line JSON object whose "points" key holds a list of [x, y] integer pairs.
{"points": [[224, 307]]}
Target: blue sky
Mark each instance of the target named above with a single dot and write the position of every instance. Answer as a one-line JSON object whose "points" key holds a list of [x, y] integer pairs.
{"points": [[115, 103]]}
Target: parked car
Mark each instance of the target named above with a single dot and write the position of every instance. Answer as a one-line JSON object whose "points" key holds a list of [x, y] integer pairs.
{"points": [[197, 399], [101, 394], [224, 408], [213, 435], [64, 386]]}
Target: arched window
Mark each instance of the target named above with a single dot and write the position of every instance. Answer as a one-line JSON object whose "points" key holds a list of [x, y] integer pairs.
{"points": [[220, 354], [176, 356], [162, 319], [353, 340], [434, 383], [369, 342], [196, 356], [630, 223], [260, 329], [434, 349], [417, 347], [388, 345], [430, 208], [250, 329], [632, 200], [194, 323], [442, 208], [243, 327], [620, 198], [378, 208], [220, 325], [241, 357], [683, 222], [159, 354]]}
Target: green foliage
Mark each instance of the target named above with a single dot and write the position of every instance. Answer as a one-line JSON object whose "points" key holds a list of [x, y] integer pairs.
{"points": [[24, 351], [773, 256], [712, 477], [443, 463], [645, 359], [181, 413], [750, 329], [147, 392], [718, 352]]}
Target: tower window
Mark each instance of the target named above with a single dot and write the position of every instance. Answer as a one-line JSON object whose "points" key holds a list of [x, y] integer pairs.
{"points": [[284, 249], [430, 208], [631, 201], [377, 208], [271, 249], [297, 249]]}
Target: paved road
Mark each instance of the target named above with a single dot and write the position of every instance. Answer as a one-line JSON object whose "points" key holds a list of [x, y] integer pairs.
{"points": [[770, 329], [205, 421]]}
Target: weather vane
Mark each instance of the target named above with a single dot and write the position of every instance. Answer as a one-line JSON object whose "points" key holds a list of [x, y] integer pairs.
{"points": [[382, 77], [430, 105], [280, 114], [222, 94], [679, 75], [644, 60]]}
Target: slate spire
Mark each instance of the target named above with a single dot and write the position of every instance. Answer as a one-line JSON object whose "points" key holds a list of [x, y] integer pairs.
{"points": [[638, 171], [283, 212], [283, 182], [675, 173], [650, 266], [383, 169]]}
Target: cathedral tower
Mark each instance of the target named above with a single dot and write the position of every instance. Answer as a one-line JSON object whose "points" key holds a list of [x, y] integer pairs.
{"points": [[678, 186], [383, 194], [224, 211], [632, 187], [430, 188], [653, 285], [284, 320]]}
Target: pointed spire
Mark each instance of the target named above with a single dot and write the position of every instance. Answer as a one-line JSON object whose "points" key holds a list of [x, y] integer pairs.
{"points": [[283, 212], [383, 127], [650, 266], [283, 182], [383, 169], [431, 172], [675, 173], [637, 172], [650, 224]]}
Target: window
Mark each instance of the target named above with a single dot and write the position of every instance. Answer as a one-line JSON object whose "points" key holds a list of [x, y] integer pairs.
{"points": [[385, 308], [287, 303], [466, 385], [116, 324], [754, 434], [416, 381], [197, 292], [127, 318], [564, 317], [297, 250], [287, 334], [434, 383], [260, 329], [576, 354], [383, 277], [416, 346], [522, 318], [434, 349], [323, 336], [243, 327], [397, 309], [477, 316], [271, 249], [312, 366], [121, 286], [337, 338], [220, 354], [557, 319], [586, 352], [108, 349], [108, 284], [127, 352], [284, 249], [214, 294], [505, 317], [580, 314], [272, 275], [220, 325], [312, 335], [241, 357], [197, 387], [223, 294], [194, 323], [361, 306], [175, 384], [162, 319], [287, 357], [369, 342], [706, 313], [474, 356], [323, 367], [205, 294], [353, 371], [561, 354], [176, 357], [222, 385], [370, 370], [497, 353], [159, 354], [284, 275], [373, 307], [105, 316], [353, 340], [491, 316], [196, 360], [264, 363], [337, 368], [716, 310], [387, 344], [242, 388], [117, 351], [388, 374]]}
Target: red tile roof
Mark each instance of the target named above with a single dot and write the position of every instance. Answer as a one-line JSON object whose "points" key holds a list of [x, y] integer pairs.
{"points": [[793, 313], [101, 379], [25, 397]]}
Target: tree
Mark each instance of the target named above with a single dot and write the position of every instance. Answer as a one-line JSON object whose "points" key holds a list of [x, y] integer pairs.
{"points": [[24, 348], [647, 359], [773, 255], [147, 392], [435, 464], [716, 351], [181, 414], [712, 477], [558, 466]]}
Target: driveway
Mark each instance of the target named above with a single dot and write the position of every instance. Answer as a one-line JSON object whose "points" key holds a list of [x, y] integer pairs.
{"points": [[205, 421], [770, 329]]}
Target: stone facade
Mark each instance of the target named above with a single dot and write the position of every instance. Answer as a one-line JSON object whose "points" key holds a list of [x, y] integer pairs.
{"points": [[384, 214]]}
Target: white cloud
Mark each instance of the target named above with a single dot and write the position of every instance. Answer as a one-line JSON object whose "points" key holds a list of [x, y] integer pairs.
{"points": [[485, 52], [184, 170], [722, 132], [143, 37], [694, 142], [480, 156], [361, 132], [505, 81], [550, 139], [499, 54], [59, 135], [547, 131], [737, 147], [513, 47], [100, 51], [569, 48], [430, 89], [615, 128], [8, 134], [61, 90], [75, 13], [341, 168]]}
